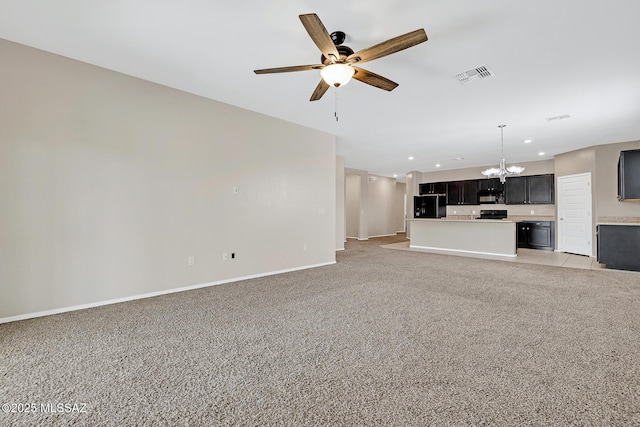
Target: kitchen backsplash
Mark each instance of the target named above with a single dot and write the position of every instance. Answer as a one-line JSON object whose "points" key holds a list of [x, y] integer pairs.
{"points": [[512, 210]]}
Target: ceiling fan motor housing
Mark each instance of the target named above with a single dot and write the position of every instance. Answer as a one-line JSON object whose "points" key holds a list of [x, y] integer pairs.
{"points": [[344, 52]]}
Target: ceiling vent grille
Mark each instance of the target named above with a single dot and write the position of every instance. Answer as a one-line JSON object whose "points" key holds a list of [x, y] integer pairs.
{"points": [[556, 118], [481, 72]]}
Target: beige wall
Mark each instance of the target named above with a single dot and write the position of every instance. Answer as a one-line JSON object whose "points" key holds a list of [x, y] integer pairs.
{"points": [[380, 208], [109, 183], [576, 162], [353, 196]]}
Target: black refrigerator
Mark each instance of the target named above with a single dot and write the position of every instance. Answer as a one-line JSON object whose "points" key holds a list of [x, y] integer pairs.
{"points": [[431, 206]]}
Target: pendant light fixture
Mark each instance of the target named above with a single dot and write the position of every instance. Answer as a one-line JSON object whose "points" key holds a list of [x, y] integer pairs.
{"points": [[502, 171]]}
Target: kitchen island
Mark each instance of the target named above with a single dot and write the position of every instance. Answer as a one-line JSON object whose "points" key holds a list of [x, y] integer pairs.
{"points": [[473, 236]]}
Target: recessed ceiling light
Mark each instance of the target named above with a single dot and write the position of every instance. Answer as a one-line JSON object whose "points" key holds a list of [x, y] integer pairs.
{"points": [[437, 165], [410, 157], [541, 153], [395, 175], [528, 141]]}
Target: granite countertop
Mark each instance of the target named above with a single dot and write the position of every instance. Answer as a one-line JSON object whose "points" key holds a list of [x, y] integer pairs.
{"points": [[618, 220], [461, 218], [518, 218]]}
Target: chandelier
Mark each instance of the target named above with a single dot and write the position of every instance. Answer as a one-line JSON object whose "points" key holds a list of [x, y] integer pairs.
{"points": [[502, 171]]}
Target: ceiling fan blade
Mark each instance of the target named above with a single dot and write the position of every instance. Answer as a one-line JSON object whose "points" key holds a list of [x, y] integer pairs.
{"points": [[320, 90], [388, 47], [374, 79], [319, 35], [289, 69]]}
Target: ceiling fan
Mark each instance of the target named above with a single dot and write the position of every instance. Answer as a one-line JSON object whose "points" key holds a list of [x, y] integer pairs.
{"points": [[338, 62]]}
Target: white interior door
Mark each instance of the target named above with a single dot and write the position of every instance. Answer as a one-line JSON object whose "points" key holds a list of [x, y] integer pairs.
{"points": [[574, 214]]}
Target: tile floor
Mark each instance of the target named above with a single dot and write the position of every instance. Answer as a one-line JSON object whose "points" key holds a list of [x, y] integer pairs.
{"points": [[529, 256]]}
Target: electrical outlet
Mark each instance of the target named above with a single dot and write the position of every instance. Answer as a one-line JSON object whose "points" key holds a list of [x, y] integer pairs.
{"points": [[304, 247], [455, 212], [531, 211], [236, 190], [191, 260], [225, 256], [473, 212]]}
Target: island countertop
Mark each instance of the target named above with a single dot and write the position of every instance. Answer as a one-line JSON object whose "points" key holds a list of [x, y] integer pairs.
{"points": [[444, 219]]}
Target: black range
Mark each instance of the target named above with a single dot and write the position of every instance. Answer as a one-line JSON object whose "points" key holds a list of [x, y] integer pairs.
{"points": [[493, 214]]}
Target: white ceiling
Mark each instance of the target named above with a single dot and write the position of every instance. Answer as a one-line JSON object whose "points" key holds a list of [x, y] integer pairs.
{"points": [[550, 58]]}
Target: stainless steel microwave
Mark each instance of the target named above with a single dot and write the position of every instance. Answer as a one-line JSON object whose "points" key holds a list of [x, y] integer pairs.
{"points": [[488, 198]]}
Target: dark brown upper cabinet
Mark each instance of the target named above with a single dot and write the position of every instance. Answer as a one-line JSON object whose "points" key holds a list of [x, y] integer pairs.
{"points": [[433, 188], [462, 192], [530, 190], [490, 185], [629, 176]]}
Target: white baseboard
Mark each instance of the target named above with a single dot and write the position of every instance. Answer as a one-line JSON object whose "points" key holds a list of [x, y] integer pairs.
{"points": [[460, 251], [383, 235], [152, 294]]}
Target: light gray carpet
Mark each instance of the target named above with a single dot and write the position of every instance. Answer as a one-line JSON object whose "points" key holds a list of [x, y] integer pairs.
{"points": [[384, 337]]}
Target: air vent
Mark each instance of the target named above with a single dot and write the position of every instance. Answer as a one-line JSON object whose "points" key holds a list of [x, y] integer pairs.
{"points": [[481, 72], [556, 118]]}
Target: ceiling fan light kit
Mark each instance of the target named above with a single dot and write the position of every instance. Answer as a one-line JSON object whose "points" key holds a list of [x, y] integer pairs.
{"points": [[338, 62], [337, 74], [502, 171]]}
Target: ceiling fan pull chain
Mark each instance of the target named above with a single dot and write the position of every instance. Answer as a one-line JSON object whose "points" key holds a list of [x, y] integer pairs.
{"points": [[335, 108]]}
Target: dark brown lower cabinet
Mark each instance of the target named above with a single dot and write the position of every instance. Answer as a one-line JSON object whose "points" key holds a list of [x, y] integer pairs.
{"points": [[619, 246], [536, 234]]}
